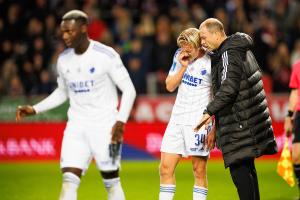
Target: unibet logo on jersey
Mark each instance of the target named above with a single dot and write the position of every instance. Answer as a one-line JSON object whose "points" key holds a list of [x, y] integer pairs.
{"points": [[81, 86], [191, 80]]}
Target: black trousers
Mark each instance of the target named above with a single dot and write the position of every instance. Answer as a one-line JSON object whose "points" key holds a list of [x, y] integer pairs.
{"points": [[244, 177]]}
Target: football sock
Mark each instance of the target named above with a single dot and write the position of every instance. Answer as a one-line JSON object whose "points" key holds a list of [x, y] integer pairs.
{"points": [[69, 186], [199, 193], [166, 192], [114, 189]]}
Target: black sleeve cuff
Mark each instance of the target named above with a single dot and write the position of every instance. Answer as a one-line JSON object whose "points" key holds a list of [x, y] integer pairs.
{"points": [[207, 112]]}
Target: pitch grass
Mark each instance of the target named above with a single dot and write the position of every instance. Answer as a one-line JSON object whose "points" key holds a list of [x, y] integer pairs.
{"points": [[42, 181]]}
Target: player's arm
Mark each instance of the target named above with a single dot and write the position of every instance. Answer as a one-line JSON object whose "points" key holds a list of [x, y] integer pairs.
{"points": [[127, 100], [120, 77], [288, 122], [56, 98], [177, 71]]}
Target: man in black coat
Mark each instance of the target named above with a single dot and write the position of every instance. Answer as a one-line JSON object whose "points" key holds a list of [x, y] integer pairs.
{"points": [[243, 123]]}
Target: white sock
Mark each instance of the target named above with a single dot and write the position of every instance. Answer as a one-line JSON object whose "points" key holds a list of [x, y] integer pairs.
{"points": [[199, 193], [69, 186], [166, 192], [114, 189]]}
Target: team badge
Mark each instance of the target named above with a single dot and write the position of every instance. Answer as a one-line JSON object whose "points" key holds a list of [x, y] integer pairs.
{"points": [[92, 70]]}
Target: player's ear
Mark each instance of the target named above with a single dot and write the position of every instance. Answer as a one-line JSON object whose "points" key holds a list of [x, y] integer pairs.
{"points": [[84, 28]]}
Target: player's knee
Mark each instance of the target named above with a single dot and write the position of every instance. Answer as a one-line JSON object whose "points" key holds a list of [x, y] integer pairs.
{"points": [[69, 177], [165, 170], [110, 174]]}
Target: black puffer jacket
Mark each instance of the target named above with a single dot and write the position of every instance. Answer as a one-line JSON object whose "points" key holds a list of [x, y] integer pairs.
{"points": [[244, 128]]}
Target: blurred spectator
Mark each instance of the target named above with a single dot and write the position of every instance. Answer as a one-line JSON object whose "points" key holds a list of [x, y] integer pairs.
{"points": [[46, 86], [6, 50], [198, 14], [280, 67], [220, 13], [13, 22], [162, 52], [29, 78], [265, 42], [122, 28], [295, 55], [40, 9], [182, 21], [137, 65], [97, 27], [8, 71], [15, 87], [2, 89]]}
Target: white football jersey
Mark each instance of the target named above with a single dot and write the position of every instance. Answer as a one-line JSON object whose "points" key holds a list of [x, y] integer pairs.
{"points": [[90, 82], [194, 91]]}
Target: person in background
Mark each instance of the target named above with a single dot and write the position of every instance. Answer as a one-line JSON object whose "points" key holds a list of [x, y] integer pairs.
{"points": [[292, 119]]}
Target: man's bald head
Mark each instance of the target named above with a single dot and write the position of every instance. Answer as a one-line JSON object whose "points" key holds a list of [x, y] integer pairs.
{"points": [[212, 34], [213, 25]]}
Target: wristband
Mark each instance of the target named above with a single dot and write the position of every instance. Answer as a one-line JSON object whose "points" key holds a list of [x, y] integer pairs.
{"points": [[290, 113]]}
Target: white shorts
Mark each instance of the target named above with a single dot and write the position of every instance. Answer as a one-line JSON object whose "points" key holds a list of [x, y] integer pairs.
{"points": [[83, 142], [181, 139]]}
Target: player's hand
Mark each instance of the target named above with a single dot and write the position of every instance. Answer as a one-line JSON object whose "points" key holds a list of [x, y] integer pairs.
{"points": [[117, 132], [206, 119], [23, 111], [211, 138], [184, 58], [288, 126]]}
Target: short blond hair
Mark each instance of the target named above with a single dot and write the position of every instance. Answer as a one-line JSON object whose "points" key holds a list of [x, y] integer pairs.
{"points": [[189, 36]]}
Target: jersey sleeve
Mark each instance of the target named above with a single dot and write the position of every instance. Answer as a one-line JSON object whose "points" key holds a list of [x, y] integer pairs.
{"points": [[294, 81], [117, 70], [176, 64], [56, 98]]}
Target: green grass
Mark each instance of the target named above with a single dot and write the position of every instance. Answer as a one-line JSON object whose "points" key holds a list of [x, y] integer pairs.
{"points": [[42, 181]]}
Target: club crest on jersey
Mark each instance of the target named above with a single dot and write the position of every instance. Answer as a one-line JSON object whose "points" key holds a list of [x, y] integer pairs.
{"points": [[92, 70], [203, 72]]}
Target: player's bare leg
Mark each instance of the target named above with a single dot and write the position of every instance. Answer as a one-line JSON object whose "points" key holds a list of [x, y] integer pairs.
{"points": [[167, 168], [200, 186], [112, 184], [71, 181]]}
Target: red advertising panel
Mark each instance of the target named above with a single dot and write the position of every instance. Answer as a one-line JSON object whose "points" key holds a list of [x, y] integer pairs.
{"points": [[143, 135], [30, 141], [40, 141]]}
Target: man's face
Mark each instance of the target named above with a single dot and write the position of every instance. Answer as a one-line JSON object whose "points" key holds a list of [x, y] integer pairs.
{"points": [[191, 51], [208, 39], [71, 33]]}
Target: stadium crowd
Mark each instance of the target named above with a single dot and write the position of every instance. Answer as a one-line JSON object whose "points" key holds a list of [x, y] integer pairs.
{"points": [[144, 33]]}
